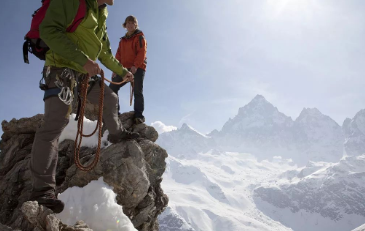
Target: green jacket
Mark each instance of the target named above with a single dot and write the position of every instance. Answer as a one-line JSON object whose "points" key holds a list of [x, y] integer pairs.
{"points": [[90, 39]]}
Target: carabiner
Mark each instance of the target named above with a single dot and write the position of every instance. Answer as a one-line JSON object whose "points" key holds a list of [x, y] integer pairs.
{"points": [[66, 95]]}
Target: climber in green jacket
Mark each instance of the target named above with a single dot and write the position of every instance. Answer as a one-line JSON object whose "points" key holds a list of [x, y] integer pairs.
{"points": [[71, 56]]}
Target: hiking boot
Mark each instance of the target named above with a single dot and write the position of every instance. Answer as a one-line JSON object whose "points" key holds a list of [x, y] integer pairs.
{"points": [[48, 199], [124, 135], [139, 120]]}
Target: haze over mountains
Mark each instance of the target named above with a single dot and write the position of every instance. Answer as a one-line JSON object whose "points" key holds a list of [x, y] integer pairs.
{"points": [[261, 129], [265, 171]]}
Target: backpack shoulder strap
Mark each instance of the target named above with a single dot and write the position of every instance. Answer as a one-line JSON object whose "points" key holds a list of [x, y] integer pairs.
{"points": [[140, 41], [80, 15]]}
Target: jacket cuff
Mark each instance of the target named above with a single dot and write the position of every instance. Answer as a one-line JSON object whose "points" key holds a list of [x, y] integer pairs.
{"points": [[123, 73], [137, 65]]}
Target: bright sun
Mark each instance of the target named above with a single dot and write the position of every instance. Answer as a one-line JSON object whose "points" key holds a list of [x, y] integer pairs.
{"points": [[279, 7]]}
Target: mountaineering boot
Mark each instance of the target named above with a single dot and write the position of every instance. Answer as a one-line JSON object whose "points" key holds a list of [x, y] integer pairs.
{"points": [[124, 135], [139, 120], [48, 199]]}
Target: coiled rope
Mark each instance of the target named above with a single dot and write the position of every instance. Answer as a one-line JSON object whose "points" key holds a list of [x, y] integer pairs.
{"points": [[84, 84]]}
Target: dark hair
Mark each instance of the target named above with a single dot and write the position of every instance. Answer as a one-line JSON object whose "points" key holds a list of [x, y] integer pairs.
{"points": [[130, 18]]}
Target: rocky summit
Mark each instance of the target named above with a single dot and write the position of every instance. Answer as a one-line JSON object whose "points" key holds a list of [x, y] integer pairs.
{"points": [[132, 168]]}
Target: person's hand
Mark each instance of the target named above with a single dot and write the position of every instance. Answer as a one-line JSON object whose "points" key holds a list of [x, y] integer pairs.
{"points": [[92, 68], [129, 76], [114, 75], [133, 70]]}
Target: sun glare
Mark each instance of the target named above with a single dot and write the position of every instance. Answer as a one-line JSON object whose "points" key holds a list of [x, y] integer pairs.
{"points": [[291, 7]]}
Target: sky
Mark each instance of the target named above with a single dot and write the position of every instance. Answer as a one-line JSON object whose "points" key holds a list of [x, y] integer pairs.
{"points": [[208, 58]]}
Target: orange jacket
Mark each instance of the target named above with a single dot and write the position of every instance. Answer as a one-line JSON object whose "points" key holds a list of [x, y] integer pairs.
{"points": [[132, 50]]}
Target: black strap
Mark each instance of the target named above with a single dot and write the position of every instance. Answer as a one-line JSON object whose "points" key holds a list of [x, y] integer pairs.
{"points": [[51, 92], [77, 94], [140, 41], [38, 43], [91, 84], [78, 108], [25, 51]]}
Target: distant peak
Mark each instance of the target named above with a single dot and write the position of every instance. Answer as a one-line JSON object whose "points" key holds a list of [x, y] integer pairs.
{"points": [[258, 98], [258, 101], [361, 113], [213, 133], [346, 122], [185, 126], [258, 105], [188, 128], [311, 112]]}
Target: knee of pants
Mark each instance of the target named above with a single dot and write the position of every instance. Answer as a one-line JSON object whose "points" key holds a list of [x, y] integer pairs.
{"points": [[56, 115], [111, 99], [51, 129], [57, 123]]}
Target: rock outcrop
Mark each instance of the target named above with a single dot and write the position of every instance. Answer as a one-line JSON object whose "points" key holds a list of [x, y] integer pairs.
{"points": [[133, 168]]}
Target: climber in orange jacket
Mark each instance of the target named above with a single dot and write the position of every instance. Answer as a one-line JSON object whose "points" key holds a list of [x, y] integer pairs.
{"points": [[131, 54]]}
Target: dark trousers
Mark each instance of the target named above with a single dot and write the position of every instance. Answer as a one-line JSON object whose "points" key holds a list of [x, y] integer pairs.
{"points": [[44, 155], [138, 91]]}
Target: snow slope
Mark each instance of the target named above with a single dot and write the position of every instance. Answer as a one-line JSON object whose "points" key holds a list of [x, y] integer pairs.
{"points": [[214, 192], [327, 197]]}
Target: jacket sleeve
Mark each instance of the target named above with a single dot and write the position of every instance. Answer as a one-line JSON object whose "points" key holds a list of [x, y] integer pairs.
{"points": [[117, 55], [59, 16], [107, 59], [141, 51]]}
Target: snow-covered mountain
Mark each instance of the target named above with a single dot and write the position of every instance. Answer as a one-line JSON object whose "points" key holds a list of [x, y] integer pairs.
{"points": [[260, 128], [354, 130], [235, 191], [317, 137], [360, 228], [327, 197], [214, 193], [170, 220], [264, 171], [185, 142]]}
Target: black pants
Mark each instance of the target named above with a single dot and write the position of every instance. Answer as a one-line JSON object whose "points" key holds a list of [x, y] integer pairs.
{"points": [[138, 91]]}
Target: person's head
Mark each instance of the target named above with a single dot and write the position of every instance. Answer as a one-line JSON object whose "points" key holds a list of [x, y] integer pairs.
{"points": [[108, 2], [130, 23]]}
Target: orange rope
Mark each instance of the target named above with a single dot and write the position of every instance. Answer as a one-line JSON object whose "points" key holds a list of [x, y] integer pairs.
{"points": [[84, 85], [124, 81]]}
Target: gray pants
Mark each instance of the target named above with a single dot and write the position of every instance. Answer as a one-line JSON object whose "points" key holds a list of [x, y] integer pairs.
{"points": [[44, 154]]}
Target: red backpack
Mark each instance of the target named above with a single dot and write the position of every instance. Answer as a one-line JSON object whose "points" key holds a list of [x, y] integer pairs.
{"points": [[33, 43]]}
